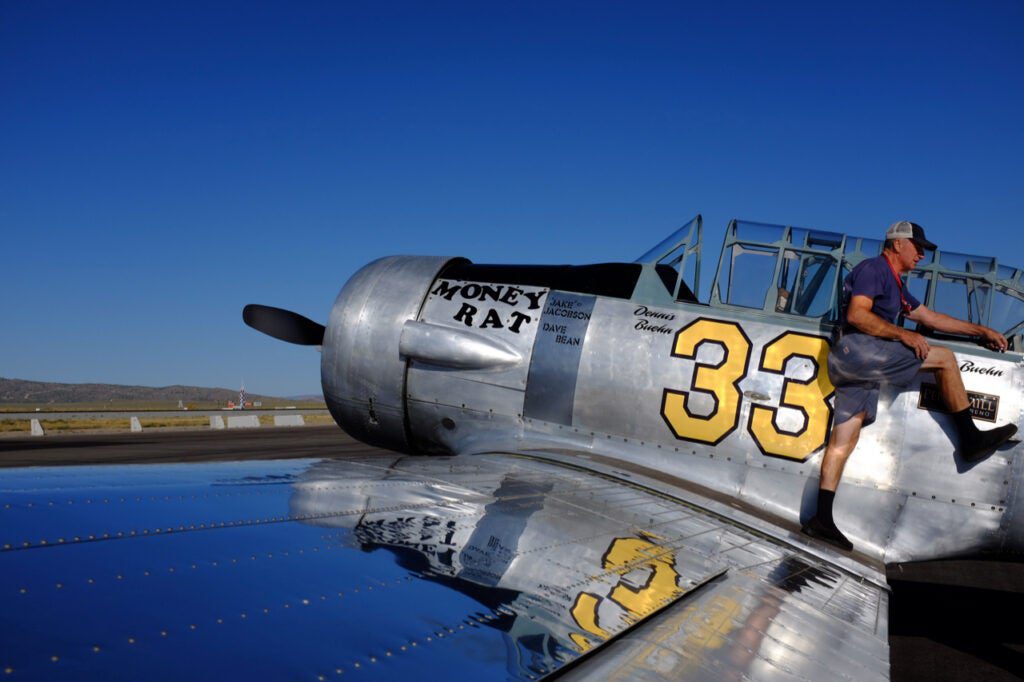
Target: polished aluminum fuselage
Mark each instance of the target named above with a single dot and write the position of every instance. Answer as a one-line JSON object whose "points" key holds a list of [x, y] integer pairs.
{"points": [[735, 401]]}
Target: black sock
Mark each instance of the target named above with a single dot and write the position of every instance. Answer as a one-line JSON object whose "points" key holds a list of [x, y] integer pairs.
{"points": [[825, 500], [965, 426]]}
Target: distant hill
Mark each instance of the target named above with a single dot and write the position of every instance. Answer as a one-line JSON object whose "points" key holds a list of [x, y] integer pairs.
{"points": [[22, 391]]}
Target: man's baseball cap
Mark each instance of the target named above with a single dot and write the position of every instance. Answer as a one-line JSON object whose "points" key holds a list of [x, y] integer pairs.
{"points": [[904, 229]]}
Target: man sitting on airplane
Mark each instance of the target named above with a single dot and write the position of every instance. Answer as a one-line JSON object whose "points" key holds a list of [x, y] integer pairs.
{"points": [[866, 355]]}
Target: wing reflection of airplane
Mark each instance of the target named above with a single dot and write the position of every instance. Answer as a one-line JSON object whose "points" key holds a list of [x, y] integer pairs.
{"points": [[622, 474], [567, 559]]}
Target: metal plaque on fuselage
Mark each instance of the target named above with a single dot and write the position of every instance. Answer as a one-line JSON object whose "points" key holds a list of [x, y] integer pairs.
{"points": [[555, 363]]}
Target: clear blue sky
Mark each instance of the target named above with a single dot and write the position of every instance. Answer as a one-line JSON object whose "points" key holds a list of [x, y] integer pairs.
{"points": [[163, 164]]}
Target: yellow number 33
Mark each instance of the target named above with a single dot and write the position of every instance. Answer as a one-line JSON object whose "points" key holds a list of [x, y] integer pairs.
{"points": [[721, 381]]}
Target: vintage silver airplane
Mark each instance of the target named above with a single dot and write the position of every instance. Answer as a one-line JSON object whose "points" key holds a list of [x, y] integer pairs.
{"points": [[596, 476]]}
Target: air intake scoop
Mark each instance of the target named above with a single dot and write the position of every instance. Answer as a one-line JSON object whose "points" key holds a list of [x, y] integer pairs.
{"points": [[454, 348]]}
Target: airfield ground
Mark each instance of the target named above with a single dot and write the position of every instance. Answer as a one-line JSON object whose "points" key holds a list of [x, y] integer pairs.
{"points": [[948, 620], [19, 424]]}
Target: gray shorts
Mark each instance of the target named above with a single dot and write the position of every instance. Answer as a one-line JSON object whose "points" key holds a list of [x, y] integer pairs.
{"points": [[859, 364]]}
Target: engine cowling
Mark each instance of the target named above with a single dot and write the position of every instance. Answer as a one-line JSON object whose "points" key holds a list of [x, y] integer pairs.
{"points": [[362, 372]]}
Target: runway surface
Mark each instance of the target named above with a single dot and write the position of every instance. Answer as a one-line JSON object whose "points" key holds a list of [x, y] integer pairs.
{"points": [[946, 621]]}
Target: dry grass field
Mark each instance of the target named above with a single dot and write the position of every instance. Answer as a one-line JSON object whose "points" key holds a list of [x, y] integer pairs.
{"points": [[148, 406], [23, 426]]}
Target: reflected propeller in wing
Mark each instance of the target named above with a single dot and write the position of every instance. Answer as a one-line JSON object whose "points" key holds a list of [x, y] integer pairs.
{"points": [[283, 325]]}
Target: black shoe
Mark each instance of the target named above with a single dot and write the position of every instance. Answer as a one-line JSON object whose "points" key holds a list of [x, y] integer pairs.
{"points": [[816, 528], [987, 442]]}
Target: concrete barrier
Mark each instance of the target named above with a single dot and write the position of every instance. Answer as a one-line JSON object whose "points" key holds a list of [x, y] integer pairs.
{"points": [[216, 422], [136, 425], [289, 420], [249, 421], [37, 428]]}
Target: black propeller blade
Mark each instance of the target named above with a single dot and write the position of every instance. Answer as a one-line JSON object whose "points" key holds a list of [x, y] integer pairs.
{"points": [[283, 324]]}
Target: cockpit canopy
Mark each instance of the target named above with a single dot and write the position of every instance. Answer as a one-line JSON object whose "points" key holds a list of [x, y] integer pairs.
{"points": [[785, 270]]}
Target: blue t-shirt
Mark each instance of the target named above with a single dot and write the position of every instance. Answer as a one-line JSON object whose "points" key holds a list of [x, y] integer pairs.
{"points": [[874, 278]]}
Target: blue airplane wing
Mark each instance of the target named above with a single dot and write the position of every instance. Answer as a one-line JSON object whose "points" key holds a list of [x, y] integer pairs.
{"points": [[496, 566]]}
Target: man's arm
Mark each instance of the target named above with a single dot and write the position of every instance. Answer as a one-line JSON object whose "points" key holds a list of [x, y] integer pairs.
{"points": [[946, 323], [859, 314]]}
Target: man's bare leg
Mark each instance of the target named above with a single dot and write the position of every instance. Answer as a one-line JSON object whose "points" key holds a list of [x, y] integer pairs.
{"points": [[840, 446], [951, 385], [974, 443]]}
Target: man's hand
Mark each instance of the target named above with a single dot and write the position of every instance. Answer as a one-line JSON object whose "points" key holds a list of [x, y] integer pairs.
{"points": [[993, 339], [951, 325], [916, 343]]}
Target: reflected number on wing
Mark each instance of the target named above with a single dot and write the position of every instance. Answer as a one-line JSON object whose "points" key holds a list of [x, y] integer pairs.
{"points": [[627, 603]]}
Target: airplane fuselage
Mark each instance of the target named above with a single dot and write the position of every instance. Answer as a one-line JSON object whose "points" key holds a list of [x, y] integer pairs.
{"points": [[735, 401]]}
